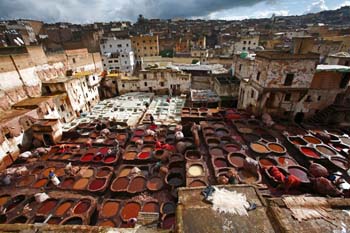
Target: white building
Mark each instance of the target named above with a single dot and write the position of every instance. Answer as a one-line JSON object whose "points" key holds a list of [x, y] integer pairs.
{"points": [[117, 54], [246, 43]]}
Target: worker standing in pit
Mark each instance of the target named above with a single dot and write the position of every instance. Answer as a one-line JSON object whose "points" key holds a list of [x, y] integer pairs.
{"points": [[54, 179]]}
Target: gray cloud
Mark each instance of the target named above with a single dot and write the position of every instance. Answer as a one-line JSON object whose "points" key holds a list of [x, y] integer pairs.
{"points": [[84, 11]]}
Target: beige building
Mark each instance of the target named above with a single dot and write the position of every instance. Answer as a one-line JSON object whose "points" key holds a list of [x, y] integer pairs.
{"points": [[145, 46]]}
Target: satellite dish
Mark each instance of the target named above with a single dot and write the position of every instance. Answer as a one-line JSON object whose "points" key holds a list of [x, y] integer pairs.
{"points": [[20, 40], [17, 42]]}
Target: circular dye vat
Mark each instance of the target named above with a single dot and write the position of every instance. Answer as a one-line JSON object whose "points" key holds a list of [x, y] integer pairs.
{"points": [[60, 172], [104, 150], [144, 155], [175, 179], [342, 163], [237, 160], [276, 148], [217, 151], [147, 149], [155, 183], [66, 156], [73, 221], [247, 176], [86, 173], [97, 184], [259, 148], [232, 148], [110, 208], [87, 157], [325, 150], [193, 155], [120, 184], [168, 221], [121, 137], [245, 130], [312, 140], [130, 210], [130, 155], [139, 132], [300, 173], [195, 170], [110, 159], [47, 171], [63, 208], [150, 207], [26, 181], [218, 125], [97, 158], [267, 162], [148, 138], [47, 206], [81, 184], [197, 183], [82, 207], [15, 201], [134, 139], [220, 162], [213, 142], [4, 199], [168, 208], [251, 137], [67, 183], [125, 171], [40, 183], [103, 172], [106, 223], [297, 141], [222, 132], [285, 161], [137, 184], [310, 152]]}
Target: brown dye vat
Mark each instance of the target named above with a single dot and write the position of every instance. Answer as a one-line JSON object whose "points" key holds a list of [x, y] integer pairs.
{"points": [[297, 141], [103, 172], [325, 150], [47, 206], [106, 223], [67, 183], [40, 183], [312, 140], [66, 156], [124, 172], [193, 155], [137, 184], [151, 207], [267, 162], [197, 183], [217, 151], [81, 184], [87, 173], [299, 172], [285, 161], [232, 147], [63, 208], [26, 181], [220, 162], [245, 130], [60, 172], [110, 208], [237, 160], [222, 132], [247, 176], [97, 184], [259, 148], [120, 184], [277, 148], [130, 210], [209, 131], [47, 171], [4, 199], [155, 183], [37, 170], [121, 137], [130, 155], [82, 207]]}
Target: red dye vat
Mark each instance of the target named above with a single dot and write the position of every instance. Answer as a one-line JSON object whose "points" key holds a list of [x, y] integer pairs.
{"points": [[82, 207], [130, 210], [151, 207], [220, 163], [87, 157], [47, 206], [137, 184], [110, 159], [231, 148], [168, 221], [310, 152], [67, 183], [143, 155], [98, 158], [138, 132], [104, 150], [134, 139], [120, 184], [97, 184], [103, 172], [300, 173]]}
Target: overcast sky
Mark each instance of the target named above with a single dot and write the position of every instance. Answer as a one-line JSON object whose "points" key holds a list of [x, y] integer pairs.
{"points": [[87, 11]]}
